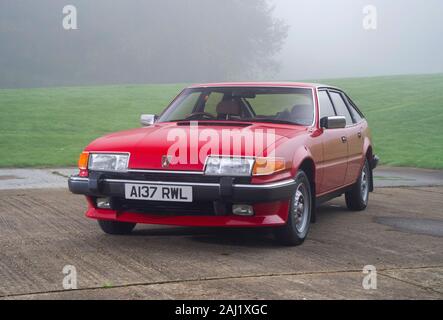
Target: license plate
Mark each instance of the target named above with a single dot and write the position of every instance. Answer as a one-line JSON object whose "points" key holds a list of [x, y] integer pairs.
{"points": [[155, 192]]}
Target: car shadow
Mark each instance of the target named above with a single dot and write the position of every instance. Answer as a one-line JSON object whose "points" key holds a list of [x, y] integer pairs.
{"points": [[257, 237], [331, 208], [249, 237], [245, 237]]}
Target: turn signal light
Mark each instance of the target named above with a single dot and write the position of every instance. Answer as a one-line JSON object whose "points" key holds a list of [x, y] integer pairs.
{"points": [[83, 161], [267, 166]]}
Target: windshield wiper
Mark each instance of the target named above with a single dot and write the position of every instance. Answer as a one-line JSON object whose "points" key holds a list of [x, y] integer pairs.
{"points": [[267, 120], [251, 120]]}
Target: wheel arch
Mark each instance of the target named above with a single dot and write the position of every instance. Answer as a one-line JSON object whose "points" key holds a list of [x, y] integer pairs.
{"points": [[307, 164]]}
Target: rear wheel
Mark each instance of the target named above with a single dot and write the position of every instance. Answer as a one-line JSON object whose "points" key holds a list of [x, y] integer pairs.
{"points": [[357, 198], [299, 216], [116, 227]]}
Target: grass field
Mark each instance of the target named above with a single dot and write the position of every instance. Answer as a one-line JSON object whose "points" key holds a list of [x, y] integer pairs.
{"points": [[50, 127]]}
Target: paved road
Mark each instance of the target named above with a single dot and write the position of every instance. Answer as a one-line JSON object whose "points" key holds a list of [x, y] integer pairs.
{"points": [[406, 177], [11, 179], [43, 230]]}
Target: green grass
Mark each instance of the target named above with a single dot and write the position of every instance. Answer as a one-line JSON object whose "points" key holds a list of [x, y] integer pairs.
{"points": [[405, 114], [50, 127]]}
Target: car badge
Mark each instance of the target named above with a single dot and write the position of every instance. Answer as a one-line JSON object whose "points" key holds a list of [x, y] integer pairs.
{"points": [[166, 161]]}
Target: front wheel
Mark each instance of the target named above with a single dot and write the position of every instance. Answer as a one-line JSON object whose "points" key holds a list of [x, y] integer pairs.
{"points": [[299, 215], [116, 227], [357, 198]]}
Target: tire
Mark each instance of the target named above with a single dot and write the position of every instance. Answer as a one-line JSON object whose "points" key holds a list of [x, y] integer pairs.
{"points": [[115, 227], [299, 216], [358, 197]]}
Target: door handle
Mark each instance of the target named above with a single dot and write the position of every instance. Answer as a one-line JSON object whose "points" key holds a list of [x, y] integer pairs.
{"points": [[344, 139], [359, 134]]}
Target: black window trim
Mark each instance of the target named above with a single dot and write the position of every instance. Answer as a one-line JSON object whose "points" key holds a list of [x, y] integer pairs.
{"points": [[347, 102], [330, 100], [340, 93], [354, 106]]}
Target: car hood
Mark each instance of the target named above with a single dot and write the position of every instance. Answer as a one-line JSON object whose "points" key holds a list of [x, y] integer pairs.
{"points": [[188, 146]]}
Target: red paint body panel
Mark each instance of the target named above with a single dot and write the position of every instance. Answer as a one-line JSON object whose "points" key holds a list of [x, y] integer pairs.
{"points": [[148, 145], [266, 215], [335, 163]]}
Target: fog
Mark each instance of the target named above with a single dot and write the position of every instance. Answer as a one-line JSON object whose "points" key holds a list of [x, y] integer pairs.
{"points": [[326, 38], [167, 41]]}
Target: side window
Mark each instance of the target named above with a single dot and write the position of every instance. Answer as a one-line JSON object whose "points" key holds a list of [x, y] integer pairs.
{"points": [[340, 106], [326, 107], [355, 113]]}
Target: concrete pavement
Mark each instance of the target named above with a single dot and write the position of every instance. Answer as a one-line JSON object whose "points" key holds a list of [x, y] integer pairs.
{"points": [[42, 231], [35, 178], [407, 177]]}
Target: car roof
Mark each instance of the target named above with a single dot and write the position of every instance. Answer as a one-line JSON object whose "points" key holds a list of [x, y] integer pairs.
{"points": [[263, 84]]}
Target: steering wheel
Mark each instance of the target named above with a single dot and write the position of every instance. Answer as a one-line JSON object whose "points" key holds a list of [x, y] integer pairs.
{"points": [[203, 115]]}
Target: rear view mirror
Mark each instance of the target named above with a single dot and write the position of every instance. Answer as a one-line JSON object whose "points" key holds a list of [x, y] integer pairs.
{"points": [[148, 120], [244, 94], [337, 122]]}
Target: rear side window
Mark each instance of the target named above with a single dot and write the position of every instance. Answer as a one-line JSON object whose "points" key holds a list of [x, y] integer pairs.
{"points": [[341, 108], [326, 107], [355, 113]]}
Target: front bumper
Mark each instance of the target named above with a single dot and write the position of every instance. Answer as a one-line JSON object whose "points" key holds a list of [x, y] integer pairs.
{"points": [[225, 190], [212, 202]]}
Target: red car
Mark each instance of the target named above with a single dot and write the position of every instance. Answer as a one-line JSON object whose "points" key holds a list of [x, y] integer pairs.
{"points": [[232, 155]]}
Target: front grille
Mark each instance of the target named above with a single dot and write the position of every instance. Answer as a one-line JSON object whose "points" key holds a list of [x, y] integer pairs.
{"points": [[170, 177], [164, 208]]}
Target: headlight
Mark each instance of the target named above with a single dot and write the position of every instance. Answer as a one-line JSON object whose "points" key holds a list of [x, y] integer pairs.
{"points": [[108, 162], [228, 166], [241, 167]]}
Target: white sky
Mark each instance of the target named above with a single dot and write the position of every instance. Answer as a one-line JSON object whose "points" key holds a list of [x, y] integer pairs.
{"points": [[327, 38]]}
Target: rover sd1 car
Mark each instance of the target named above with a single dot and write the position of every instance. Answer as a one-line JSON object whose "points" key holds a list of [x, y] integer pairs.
{"points": [[232, 155]]}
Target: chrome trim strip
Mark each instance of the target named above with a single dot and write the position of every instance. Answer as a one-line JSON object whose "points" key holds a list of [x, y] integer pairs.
{"points": [[164, 183], [266, 186], [166, 171], [76, 178], [254, 186]]}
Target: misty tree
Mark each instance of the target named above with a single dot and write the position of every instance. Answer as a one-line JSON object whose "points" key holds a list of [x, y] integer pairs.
{"points": [[134, 41]]}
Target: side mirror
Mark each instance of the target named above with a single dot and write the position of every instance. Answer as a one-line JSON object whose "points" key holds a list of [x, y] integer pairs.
{"points": [[147, 120], [336, 122]]}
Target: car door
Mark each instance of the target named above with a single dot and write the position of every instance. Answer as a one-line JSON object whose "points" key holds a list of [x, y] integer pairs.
{"points": [[335, 149], [353, 132]]}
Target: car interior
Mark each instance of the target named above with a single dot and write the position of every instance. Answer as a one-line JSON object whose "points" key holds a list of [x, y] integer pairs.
{"points": [[238, 109], [260, 105]]}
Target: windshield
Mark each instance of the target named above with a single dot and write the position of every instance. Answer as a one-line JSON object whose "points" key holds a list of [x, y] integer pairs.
{"points": [[278, 105]]}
